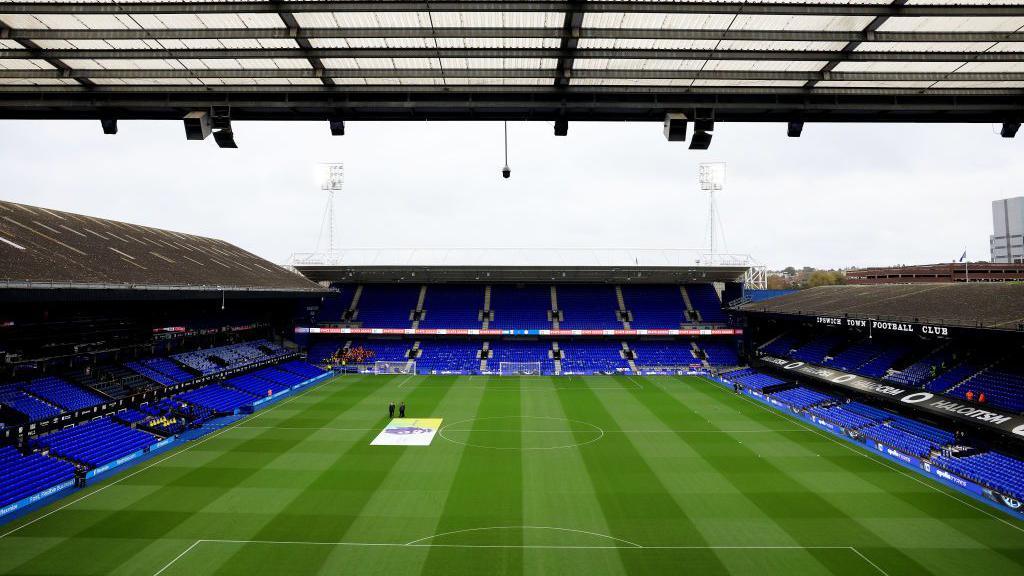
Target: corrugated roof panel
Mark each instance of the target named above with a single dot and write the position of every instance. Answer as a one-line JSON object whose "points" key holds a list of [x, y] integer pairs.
{"points": [[872, 84], [897, 66], [24, 64], [927, 46], [992, 67], [37, 82], [953, 24], [957, 84]]}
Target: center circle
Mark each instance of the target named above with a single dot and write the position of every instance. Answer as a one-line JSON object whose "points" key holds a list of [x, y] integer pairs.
{"points": [[521, 433]]}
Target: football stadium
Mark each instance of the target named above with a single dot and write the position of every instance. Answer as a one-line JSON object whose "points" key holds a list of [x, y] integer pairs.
{"points": [[172, 404]]}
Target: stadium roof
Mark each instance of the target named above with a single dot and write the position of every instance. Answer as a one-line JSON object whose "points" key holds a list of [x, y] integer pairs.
{"points": [[523, 265], [825, 60], [41, 248], [985, 305]]}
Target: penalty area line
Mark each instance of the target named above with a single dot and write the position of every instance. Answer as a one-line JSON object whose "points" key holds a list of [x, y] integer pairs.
{"points": [[625, 545]]}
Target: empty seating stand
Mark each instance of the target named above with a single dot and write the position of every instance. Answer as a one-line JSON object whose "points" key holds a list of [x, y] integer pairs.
{"points": [[33, 408], [96, 442], [520, 307], [22, 476], [61, 393], [654, 306], [704, 298], [217, 398], [456, 356], [588, 307], [387, 305], [453, 306]]}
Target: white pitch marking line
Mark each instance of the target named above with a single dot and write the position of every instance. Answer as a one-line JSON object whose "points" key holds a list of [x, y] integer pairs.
{"points": [[419, 544], [869, 456], [635, 383], [662, 431], [405, 380], [176, 558], [184, 449], [555, 528], [868, 560]]}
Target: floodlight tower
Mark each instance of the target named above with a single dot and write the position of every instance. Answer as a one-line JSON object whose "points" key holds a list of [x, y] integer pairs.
{"points": [[712, 179], [333, 179]]}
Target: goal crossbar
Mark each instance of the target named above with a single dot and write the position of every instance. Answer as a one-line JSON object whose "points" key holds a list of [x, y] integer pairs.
{"points": [[519, 368]]}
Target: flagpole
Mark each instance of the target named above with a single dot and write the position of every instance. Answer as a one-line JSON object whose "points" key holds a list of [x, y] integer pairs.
{"points": [[967, 272]]}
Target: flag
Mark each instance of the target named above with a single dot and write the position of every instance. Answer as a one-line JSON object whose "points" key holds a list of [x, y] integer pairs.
{"points": [[963, 256]]}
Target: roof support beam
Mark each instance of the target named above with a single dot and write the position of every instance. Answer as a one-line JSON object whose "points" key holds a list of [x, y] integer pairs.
{"points": [[627, 33], [293, 25], [580, 53], [547, 103], [578, 74], [570, 39], [34, 52], [594, 6], [873, 26]]}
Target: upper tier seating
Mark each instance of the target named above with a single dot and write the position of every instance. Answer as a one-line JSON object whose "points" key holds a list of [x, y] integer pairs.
{"points": [[22, 476], [61, 393], [781, 346], [654, 306], [588, 307], [923, 370], [520, 307], [334, 305], [161, 370], [815, 350], [856, 355], [704, 298], [453, 306], [387, 305], [33, 408], [96, 442], [214, 360], [1002, 385]]}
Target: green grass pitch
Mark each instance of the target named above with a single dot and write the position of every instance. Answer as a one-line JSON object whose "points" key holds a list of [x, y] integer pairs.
{"points": [[533, 475]]}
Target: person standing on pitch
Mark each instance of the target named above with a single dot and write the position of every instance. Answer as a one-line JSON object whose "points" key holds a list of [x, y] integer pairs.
{"points": [[401, 410], [391, 409]]}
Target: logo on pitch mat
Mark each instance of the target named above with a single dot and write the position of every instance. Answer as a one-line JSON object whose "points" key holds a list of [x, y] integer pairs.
{"points": [[408, 430]]}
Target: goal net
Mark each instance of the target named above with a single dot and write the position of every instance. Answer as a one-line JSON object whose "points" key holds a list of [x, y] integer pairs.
{"points": [[401, 367], [519, 368]]}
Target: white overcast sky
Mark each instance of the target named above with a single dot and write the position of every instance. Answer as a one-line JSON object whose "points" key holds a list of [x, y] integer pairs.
{"points": [[842, 195]]}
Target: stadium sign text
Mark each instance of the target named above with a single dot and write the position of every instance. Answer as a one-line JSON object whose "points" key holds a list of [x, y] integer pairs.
{"points": [[926, 329], [935, 404]]}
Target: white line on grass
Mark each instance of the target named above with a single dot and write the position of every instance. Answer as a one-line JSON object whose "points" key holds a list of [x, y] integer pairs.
{"points": [[876, 567], [405, 380], [871, 456], [420, 544], [622, 431], [554, 528], [184, 449], [635, 383]]}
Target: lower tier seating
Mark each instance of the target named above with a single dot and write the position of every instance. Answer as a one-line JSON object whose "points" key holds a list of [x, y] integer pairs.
{"points": [[22, 476], [96, 442]]}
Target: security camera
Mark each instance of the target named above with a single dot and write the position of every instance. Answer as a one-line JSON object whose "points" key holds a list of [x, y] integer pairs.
{"points": [[506, 172]]}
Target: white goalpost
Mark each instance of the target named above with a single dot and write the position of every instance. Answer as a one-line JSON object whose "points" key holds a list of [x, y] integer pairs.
{"points": [[389, 367], [519, 368]]}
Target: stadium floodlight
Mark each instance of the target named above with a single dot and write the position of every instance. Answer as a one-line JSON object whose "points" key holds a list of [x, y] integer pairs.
{"points": [[794, 129], [561, 127], [711, 176], [675, 127], [1009, 129], [109, 125]]}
